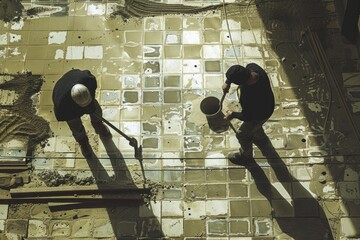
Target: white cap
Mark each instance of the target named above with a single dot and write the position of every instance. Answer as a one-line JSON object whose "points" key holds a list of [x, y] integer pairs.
{"points": [[81, 95]]}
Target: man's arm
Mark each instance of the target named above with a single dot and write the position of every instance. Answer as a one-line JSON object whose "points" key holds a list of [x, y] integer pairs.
{"points": [[238, 115], [225, 87]]}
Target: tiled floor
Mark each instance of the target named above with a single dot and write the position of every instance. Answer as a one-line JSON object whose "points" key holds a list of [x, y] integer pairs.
{"points": [[152, 73]]}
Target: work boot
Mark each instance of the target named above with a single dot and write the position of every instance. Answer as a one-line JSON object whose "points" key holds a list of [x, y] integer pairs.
{"points": [[239, 159], [101, 129], [85, 148]]}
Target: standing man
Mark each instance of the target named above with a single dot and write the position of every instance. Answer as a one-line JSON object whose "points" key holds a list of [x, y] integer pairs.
{"points": [[257, 103], [74, 96]]}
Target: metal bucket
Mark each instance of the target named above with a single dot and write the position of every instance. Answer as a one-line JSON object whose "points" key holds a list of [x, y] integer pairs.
{"points": [[212, 109]]}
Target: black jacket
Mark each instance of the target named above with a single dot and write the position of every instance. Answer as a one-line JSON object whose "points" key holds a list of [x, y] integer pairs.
{"points": [[64, 106], [256, 100]]}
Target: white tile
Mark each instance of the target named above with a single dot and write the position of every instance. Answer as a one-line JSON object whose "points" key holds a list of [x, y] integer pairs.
{"points": [[216, 207], [191, 37], [172, 66], [57, 37], [74, 52], [192, 66], [194, 210], [211, 51], [93, 52], [130, 128], [172, 227], [172, 209]]}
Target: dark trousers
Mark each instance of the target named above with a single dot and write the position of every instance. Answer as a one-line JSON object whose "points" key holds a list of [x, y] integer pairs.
{"points": [[251, 132], [77, 128]]}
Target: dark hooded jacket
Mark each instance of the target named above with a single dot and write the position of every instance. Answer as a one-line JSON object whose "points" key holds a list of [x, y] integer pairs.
{"points": [[256, 100], [64, 106]]}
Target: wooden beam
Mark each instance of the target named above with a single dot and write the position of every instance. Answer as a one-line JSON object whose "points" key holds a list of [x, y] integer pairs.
{"points": [[74, 190]]}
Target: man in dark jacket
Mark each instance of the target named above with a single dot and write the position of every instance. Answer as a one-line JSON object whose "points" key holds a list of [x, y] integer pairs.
{"points": [[73, 96], [257, 103]]}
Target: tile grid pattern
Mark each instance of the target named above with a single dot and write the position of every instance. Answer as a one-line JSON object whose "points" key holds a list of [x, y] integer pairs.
{"points": [[179, 64]]}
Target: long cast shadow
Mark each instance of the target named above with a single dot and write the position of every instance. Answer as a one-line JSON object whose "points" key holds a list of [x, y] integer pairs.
{"points": [[301, 216], [125, 214], [130, 219]]}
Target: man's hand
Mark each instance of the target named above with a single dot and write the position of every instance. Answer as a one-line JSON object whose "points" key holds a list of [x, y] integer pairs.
{"points": [[225, 88], [228, 115]]}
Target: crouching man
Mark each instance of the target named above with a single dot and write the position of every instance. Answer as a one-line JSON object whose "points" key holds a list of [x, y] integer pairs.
{"points": [[73, 96]]}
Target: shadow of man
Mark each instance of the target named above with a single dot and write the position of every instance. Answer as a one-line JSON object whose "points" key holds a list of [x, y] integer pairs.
{"points": [[301, 216], [130, 218]]}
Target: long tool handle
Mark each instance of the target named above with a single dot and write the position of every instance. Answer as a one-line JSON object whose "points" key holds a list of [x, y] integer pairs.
{"points": [[232, 127], [113, 127], [222, 100], [132, 141]]}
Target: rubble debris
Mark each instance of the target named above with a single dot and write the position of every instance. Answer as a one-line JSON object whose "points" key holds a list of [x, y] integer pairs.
{"points": [[52, 178]]}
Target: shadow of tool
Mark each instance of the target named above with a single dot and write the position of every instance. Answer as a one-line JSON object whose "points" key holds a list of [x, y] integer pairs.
{"points": [[130, 215], [132, 142], [299, 215]]}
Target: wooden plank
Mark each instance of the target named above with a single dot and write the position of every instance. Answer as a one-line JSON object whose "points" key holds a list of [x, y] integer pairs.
{"points": [[76, 198], [13, 168], [16, 162], [85, 197], [69, 190]]}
